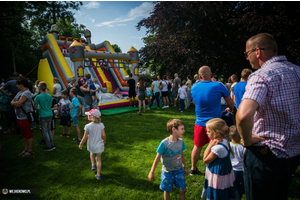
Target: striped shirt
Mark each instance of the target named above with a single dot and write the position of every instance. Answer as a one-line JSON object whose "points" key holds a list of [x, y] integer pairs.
{"points": [[276, 88]]}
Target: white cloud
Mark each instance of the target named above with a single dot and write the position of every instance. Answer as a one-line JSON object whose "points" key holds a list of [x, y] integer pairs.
{"points": [[78, 13], [92, 20], [137, 37], [92, 5], [121, 24], [141, 11]]}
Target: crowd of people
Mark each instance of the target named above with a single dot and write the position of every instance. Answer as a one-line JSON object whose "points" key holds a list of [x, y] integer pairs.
{"points": [[257, 156]]}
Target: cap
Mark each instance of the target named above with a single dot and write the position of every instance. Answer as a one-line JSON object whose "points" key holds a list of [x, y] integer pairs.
{"points": [[94, 112]]}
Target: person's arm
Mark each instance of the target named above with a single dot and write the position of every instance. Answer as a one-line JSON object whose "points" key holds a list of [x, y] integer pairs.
{"points": [[229, 102], [244, 121], [79, 109], [2, 89], [209, 156], [19, 103], [85, 136], [83, 89], [156, 161], [58, 110], [103, 136], [36, 106], [186, 171], [54, 90]]}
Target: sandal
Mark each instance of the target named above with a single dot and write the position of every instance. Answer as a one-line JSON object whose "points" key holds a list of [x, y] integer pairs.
{"points": [[28, 153], [62, 135], [68, 135], [93, 167], [22, 153]]}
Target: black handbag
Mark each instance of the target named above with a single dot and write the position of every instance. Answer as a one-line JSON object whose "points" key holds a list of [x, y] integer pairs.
{"points": [[31, 116]]}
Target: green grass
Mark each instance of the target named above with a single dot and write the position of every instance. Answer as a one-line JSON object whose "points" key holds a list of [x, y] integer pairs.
{"points": [[126, 161]]}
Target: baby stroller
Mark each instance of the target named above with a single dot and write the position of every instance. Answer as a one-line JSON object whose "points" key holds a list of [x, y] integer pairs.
{"points": [[229, 118]]}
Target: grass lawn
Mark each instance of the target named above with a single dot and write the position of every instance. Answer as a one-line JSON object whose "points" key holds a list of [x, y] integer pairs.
{"points": [[65, 173]]}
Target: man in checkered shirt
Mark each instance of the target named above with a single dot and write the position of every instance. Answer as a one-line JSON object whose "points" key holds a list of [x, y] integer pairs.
{"points": [[268, 120]]}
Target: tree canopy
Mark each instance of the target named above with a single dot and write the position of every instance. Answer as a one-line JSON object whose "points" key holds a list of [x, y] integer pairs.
{"points": [[183, 36]]}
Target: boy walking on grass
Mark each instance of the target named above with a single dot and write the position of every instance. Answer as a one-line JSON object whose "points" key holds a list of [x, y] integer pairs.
{"points": [[64, 111], [43, 103], [170, 152], [76, 108]]}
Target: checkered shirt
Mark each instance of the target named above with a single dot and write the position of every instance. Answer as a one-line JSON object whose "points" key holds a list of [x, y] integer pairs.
{"points": [[276, 88]]}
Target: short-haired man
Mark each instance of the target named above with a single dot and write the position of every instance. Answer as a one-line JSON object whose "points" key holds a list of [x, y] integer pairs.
{"points": [[268, 120], [131, 92], [207, 106], [239, 88], [175, 88]]}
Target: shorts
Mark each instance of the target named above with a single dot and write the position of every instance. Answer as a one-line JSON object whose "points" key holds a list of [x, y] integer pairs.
{"points": [[25, 128], [131, 94], [75, 121], [200, 136], [165, 94], [65, 120], [168, 180], [93, 105], [174, 94], [239, 181]]}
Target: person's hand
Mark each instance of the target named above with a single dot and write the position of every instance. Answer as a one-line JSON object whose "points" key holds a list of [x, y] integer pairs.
{"points": [[80, 146], [103, 142], [151, 176], [228, 110], [77, 115], [215, 142], [254, 139], [186, 171]]}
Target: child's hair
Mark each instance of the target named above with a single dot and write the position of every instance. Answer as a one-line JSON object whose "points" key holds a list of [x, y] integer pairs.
{"points": [[64, 92], [94, 80], [141, 82], [22, 81], [37, 82], [74, 90], [173, 123], [43, 86], [217, 124], [56, 80], [233, 133], [95, 119], [73, 79], [87, 76], [183, 82]]}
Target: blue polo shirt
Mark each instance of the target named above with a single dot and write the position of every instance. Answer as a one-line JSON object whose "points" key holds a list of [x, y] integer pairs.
{"points": [[207, 99], [238, 91]]}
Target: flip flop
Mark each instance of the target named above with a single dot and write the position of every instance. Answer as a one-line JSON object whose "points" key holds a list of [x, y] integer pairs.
{"points": [[22, 153], [93, 167], [28, 153]]}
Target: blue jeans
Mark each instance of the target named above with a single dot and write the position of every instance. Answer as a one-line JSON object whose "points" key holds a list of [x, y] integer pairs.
{"points": [[181, 104], [155, 96], [45, 123]]}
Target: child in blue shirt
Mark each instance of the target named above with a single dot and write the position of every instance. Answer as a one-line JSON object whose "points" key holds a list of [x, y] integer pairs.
{"points": [[76, 108], [64, 111], [170, 152]]}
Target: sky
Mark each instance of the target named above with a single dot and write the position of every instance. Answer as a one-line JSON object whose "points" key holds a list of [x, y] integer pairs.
{"points": [[115, 21]]}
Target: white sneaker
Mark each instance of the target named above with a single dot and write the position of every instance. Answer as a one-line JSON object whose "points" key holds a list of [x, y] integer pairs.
{"points": [[167, 106], [164, 107]]}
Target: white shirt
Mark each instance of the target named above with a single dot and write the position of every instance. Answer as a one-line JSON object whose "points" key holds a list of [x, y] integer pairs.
{"points": [[219, 150], [237, 160], [165, 84], [182, 93], [58, 90]]}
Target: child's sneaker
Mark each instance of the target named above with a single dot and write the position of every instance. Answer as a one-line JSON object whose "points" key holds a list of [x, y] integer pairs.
{"points": [[62, 135], [93, 167], [98, 177], [47, 149], [194, 172], [68, 135]]}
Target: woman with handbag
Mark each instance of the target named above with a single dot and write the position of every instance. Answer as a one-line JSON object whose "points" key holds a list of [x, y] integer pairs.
{"points": [[22, 105]]}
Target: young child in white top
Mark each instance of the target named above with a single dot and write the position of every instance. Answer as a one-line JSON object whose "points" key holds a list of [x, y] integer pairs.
{"points": [[182, 96], [95, 134], [237, 160]]}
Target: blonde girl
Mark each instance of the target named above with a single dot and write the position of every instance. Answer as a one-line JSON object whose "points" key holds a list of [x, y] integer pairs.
{"points": [[219, 176], [95, 134]]}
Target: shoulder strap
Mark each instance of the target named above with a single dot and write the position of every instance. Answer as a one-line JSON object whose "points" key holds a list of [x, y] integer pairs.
{"points": [[223, 146]]}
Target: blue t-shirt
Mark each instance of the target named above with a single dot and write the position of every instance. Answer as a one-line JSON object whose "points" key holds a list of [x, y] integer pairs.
{"points": [[238, 91], [207, 99], [75, 106]]}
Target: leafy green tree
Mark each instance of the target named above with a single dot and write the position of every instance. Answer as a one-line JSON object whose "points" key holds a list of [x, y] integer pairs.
{"points": [[183, 36], [70, 29], [116, 48]]}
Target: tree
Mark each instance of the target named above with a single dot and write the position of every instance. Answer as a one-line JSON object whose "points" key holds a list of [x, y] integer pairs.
{"points": [[116, 48], [70, 29], [183, 36]]}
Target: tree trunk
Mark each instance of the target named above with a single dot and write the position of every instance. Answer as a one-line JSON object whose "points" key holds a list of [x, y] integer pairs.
{"points": [[53, 12]]}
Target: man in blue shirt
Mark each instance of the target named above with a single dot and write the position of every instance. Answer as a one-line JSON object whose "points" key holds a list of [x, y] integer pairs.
{"points": [[207, 99], [239, 88]]}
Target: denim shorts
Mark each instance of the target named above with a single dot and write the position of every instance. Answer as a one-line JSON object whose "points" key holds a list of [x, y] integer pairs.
{"points": [[75, 121], [93, 105], [169, 179]]}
